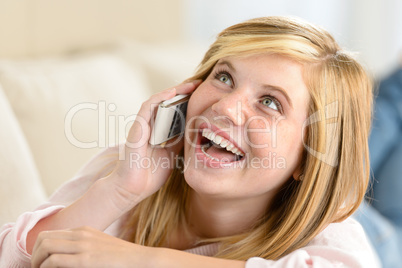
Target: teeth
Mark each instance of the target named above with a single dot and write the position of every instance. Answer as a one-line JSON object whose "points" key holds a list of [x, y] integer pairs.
{"points": [[222, 142]]}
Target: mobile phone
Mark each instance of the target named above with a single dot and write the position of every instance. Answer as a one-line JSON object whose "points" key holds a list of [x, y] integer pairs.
{"points": [[170, 119]]}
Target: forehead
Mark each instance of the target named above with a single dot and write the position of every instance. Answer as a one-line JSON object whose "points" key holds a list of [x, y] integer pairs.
{"points": [[274, 62]]}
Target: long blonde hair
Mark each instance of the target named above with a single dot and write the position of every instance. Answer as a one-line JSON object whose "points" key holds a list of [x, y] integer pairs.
{"points": [[335, 164]]}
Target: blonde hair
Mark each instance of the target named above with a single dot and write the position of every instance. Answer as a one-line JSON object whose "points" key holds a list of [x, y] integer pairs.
{"points": [[335, 163]]}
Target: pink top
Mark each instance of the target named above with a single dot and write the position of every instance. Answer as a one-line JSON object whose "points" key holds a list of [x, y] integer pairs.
{"points": [[339, 245]]}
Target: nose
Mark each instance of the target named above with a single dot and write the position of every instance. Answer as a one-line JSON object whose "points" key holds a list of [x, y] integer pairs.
{"points": [[232, 106]]}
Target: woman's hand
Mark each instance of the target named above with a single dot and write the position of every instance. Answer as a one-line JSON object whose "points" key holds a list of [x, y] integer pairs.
{"points": [[110, 198], [85, 247], [143, 168]]}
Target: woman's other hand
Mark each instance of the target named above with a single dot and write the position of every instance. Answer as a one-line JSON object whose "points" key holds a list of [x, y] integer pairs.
{"points": [[88, 247], [85, 247]]}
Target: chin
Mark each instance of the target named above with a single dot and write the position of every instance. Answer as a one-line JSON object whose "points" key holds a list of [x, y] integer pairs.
{"points": [[211, 185]]}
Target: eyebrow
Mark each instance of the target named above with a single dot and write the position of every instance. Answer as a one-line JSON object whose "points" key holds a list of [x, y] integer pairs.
{"points": [[227, 63], [282, 91], [269, 87]]}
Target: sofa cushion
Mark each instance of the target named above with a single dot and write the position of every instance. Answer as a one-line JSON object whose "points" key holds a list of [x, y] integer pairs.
{"points": [[21, 188], [69, 107], [166, 64]]}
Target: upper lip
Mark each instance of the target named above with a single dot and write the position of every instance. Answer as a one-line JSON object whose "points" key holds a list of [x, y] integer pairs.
{"points": [[222, 133]]}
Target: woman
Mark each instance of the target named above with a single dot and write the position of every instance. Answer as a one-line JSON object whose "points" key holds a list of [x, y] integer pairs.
{"points": [[275, 160]]}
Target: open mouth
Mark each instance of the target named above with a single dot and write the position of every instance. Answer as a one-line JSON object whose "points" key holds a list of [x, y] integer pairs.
{"points": [[218, 148]]}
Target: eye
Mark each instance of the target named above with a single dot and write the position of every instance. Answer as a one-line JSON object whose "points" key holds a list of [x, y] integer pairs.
{"points": [[224, 78], [271, 102]]}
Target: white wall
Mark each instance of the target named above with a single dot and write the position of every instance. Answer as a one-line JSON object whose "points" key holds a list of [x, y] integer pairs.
{"points": [[373, 28], [34, 28], [42, 27]]}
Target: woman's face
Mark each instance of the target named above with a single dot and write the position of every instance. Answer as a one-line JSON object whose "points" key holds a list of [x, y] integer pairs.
{"points": [[244, 127]]}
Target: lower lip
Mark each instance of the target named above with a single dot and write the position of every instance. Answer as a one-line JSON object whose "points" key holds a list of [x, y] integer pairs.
{"points": [[211, 162]]}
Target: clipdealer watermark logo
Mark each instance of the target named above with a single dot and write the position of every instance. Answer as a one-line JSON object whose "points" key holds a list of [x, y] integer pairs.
{"points": [[112, 129], [328, 116]]}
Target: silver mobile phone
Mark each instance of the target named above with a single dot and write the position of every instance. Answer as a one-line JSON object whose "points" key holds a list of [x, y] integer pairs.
{"points": [[170, 119]]}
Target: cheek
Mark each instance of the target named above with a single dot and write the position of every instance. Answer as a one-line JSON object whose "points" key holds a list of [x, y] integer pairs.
{"points": [[290, 144], [280, 136], [263, 132], [196, 107], [197, 102]]}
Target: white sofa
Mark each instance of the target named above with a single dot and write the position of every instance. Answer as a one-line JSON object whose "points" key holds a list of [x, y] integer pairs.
{"points": [[55, 113]]}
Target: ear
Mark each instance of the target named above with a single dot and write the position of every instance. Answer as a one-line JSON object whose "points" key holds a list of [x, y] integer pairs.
{"points": [[298, 174]]}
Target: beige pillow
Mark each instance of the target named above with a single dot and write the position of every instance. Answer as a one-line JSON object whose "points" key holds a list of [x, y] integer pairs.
{"points": [[21, 188], [166, 64], [69, 108]]}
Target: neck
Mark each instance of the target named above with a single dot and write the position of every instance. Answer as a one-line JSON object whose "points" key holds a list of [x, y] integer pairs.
{"points": [[210, 217]]}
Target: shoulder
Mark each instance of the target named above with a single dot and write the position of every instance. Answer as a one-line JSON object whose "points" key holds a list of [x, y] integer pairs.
{"points": [[342, 244], [347, 240], [348, 229]]}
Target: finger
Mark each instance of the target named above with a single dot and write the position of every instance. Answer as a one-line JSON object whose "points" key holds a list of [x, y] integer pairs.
{"points": [[61, 242], [61, 260], [155, 100], [187, 88], [140, 131], [49, 247], [174, 145], [59, 234]]}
